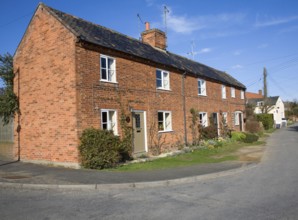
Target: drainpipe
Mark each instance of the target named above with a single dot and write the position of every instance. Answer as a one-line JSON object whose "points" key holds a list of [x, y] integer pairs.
{"points": [[184, 107], [19, 118]]}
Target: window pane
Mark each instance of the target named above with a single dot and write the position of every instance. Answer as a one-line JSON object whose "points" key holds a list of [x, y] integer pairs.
{"points": [[168, 121], [160, 116], [165, 83], [103, 62], [158, 79], [158, 74], [104, 120], [104, 117], [165, 80], [158, 83], [112, 120], [104, 74], [111, 64], [110, 75], [160, 121], [199, 87]]}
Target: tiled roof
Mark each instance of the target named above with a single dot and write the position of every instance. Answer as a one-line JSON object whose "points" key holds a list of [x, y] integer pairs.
{"points": [[99, 35], [270, 100], [251, 95]]}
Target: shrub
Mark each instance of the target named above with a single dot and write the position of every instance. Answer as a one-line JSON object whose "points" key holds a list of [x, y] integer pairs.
{"points": [[125, 147], [209, 132], [99, 149], [253, 126], [266, 119], [238, 136], [250, 138]]}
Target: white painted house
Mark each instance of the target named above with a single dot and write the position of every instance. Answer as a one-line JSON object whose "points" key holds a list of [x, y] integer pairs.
{"points": [[274, 106]]}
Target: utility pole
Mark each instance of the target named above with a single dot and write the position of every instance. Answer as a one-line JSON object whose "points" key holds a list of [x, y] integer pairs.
{"points": [[265, 83], [166, 11], [265, 107]]}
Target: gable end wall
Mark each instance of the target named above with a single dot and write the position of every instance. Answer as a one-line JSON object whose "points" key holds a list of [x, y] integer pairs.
{"points": [[45, 66]]}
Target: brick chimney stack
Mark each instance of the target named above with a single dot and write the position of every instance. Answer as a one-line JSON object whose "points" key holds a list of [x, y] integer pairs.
{"points": [[154, 37], [260, 91]]}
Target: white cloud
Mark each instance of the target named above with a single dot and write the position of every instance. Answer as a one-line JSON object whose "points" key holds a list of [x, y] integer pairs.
{"points": [[274, 21], [185, 24], [150, 2], [237, 52], [261, 46], [237, 66], [182, 24], [289, 30], [205, 50]]}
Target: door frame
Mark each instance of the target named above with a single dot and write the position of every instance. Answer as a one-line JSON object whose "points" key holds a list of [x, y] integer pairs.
{"points": [[241, 120], [217, 120], [145, 128]]}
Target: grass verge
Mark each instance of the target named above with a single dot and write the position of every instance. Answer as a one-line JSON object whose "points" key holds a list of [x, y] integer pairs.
{"points": [[199, 156]]}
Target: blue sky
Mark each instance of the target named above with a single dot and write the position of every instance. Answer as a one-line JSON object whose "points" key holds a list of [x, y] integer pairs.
{"points": [[239, 37]]}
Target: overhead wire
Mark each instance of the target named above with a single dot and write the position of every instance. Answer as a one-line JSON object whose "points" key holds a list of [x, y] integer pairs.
{"points": [[15, 20]]}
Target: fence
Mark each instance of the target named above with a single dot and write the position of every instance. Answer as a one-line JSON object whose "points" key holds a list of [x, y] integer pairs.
{"points": [[6, 141], [6, 131]]}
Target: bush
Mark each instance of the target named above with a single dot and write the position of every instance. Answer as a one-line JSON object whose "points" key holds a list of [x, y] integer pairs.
{"points": [[250, 138], [99, 149], [253, 126], [238, 136], [266, 119], [209, 132]]}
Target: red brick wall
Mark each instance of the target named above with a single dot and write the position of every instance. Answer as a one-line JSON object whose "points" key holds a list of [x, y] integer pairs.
{"points": [[45, 59], [136, 89], [155, 38], [61, 93]]}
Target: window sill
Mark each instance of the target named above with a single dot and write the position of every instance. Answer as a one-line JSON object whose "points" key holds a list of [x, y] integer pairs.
{"points": [[165, 131], [203, 95], [106, 81], [162, 89]]}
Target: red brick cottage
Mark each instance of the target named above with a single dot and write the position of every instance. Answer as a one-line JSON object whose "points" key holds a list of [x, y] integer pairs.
{"points": [[72, 74]]}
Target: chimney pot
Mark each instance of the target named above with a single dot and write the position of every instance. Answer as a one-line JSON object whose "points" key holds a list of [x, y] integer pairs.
{"points": [[260, 92], [147, 24]]}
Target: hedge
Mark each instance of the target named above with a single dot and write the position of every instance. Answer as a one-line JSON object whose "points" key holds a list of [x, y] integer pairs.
{"points": [[266, 119]]}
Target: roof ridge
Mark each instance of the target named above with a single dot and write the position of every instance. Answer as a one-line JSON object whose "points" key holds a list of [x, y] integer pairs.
{"points": [[92, 23], [99, 35]]}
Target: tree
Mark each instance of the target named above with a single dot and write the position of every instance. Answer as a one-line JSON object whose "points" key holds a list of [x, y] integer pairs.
{"points": [[9, 102]]}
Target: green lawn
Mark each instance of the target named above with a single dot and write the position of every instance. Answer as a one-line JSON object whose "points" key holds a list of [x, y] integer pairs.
{"points": [[215, 155]]}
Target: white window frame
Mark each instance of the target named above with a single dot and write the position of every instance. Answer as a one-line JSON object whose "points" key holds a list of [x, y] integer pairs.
{"points": [[111, 123], [225, 117], [202, 87], [165, 124], [236, 118], [223, 92], [242, 94], [165, 79], [203, 119], [110, 69], [233, 92]]}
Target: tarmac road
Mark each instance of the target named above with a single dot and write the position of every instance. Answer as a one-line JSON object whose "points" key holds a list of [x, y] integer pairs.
{"points": [[268, 190]]}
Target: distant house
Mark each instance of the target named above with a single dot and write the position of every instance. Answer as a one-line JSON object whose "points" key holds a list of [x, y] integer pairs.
{"points": [[251, 95], [273, 105], [73, 74]]}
